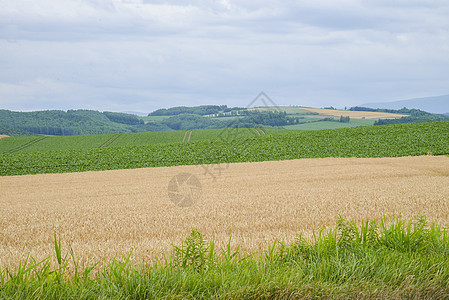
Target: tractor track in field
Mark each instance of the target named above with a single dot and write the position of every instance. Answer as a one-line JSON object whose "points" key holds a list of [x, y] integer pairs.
{"points": [[190, 134], [260, 131], [27, 144], [187, 136], [110, 141]]}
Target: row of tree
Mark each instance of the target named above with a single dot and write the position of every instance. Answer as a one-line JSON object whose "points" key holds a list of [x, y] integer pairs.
{"points": [[269, 118], [251, 119], [414, 115], [123, 118], [202, 110]]}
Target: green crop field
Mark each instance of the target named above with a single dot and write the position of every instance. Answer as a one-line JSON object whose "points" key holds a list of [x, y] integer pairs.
{"points": [[153, 118], [145, 138], [374, 141], [47, 143], [290, 110], [226, 133], [15, 144], [330, 125]]}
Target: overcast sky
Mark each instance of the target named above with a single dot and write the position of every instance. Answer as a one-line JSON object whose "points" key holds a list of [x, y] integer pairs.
{"points": [[140, 55]]}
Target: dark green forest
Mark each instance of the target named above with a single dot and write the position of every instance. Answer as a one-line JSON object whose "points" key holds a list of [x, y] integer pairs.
{"points": [[414, 115], [72, 122], [201, 110]]}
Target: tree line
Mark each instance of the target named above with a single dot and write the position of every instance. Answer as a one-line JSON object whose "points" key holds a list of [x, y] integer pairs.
{"points": [[414, 115], [202, 110]]}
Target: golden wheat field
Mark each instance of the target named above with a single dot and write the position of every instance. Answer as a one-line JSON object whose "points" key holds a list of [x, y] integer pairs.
{"points": [[354, 114], [105, 213], [335, 112]]}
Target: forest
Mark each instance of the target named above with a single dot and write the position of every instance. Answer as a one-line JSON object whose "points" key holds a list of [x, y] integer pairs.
{"points": [[79, 122]]}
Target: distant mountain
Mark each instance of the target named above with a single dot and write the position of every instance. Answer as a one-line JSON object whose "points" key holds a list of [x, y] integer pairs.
{"points": [[437, 105]]}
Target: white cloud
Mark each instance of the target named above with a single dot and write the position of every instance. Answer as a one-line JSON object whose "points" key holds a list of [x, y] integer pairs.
{"points": [[141, 55]]}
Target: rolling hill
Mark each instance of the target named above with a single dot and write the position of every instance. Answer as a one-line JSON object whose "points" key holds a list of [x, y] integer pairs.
{"points": [[88, 122], [369, 141]]}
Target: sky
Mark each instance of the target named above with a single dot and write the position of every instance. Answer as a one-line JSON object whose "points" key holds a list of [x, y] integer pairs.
{"points": [[141, 55]]}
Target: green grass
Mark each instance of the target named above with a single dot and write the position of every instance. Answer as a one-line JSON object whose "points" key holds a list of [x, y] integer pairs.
{"points": [[330, 125], [47, 143], [146, 138], [22, 144], [374, 141], [13, 144], [374, 260], [153, 118], [233, 133]]}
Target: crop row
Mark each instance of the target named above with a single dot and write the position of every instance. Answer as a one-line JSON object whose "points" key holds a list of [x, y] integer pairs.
{"points": [[378, 141], [77, 142]]}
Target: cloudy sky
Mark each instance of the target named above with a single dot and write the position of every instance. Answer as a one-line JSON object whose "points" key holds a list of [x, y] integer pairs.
{"points": [[140, 55]]}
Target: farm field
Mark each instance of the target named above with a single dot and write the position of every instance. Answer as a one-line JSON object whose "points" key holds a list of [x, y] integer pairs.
{"points": [[77, 142], [101, 214], [304, 111], [330, 125], [288, 109], [153, 118], [374, 141], [46, 143], [274, 225], [354, 114]]}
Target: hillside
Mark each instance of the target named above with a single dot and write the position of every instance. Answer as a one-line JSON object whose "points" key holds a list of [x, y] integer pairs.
{"points": [[373, 141], [85, 122], [438, 104], [58, 143], [72, 122]]}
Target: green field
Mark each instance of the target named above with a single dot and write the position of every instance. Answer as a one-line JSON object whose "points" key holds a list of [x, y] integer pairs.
{"points": [[290, 110], [330, 125], [153, 118], [372, 141], [47, 143], [403, 260]]}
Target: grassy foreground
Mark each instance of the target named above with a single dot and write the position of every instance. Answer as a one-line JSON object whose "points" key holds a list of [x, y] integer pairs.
{"points": [[374, 260]]}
